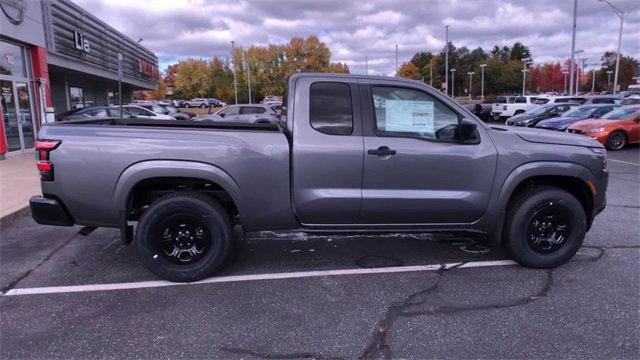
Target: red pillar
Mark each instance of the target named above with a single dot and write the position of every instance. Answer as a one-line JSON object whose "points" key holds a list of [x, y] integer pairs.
{"points": [[3, 138], [41, 71]]}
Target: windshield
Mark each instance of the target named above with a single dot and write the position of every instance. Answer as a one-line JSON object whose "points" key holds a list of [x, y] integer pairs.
{"points": [[580, 112], [622, 114], [540, 101], [171, 108]]}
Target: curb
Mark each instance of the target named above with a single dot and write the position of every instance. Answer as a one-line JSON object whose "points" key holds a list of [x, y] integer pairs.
{"points": [[10, 218]]}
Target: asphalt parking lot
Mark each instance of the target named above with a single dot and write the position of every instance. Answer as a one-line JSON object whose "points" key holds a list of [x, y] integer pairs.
{"points": [[289, 295]]}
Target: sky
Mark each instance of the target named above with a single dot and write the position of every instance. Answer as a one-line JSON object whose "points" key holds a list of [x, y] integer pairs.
{"points": [[355, 30]]}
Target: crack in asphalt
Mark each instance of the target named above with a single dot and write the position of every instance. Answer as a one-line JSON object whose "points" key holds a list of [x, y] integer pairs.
{"points": [[295, 355], [379, 346], [17, 280], [625, 206]]}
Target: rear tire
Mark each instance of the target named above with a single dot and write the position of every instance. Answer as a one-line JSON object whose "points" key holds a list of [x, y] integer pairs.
{"points": [[202, 106], [184, 237], [617, 140], [187, 106], [545, 227]]}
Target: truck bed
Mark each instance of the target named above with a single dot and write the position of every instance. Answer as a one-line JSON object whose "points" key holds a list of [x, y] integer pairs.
{"points": [[168, 123], [97, 156]]}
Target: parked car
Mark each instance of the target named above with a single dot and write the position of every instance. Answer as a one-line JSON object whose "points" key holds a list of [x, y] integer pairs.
{"points": [[197, 102], [334, 164], [178, 114], [178, 102], [139, 111], [602, 99], [244, 113], [631, 100], [94, 112], [537, 114], [272, 99], [482, 111], [614, 130], [574, 115], [216, 102], [548, 100], [519, 106], [496, 108]]}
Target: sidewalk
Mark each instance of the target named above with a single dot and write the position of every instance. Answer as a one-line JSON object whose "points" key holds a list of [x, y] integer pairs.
{"points": [[19, 180]]}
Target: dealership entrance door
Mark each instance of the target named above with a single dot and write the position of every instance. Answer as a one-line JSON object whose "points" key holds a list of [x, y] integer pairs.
{"points": [[17, 114]]}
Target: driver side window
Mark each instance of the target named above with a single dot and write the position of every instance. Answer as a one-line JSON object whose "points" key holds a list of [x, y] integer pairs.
{"points": [[410, 112]]}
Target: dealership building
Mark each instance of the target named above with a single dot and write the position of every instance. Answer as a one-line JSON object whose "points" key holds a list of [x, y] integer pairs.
{"points": [[56, 56]]}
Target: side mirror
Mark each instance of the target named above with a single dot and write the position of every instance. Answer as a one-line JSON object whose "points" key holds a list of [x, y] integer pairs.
{"points": [[468, 132], [222, 115]]}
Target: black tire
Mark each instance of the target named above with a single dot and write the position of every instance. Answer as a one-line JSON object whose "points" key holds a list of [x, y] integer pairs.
{"points": [[202, 106], [617, 140], [522, 214], [186, 105], [171, 212]]}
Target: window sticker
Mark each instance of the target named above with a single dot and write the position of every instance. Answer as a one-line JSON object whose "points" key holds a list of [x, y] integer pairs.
{"points": [[409, 116]]}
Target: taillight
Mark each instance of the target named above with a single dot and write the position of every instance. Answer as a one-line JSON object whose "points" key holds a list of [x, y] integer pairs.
{"points": [[45, 167]]}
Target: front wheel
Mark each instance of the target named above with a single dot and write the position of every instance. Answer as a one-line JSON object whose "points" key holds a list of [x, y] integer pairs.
{"points": [[202, 106], [187, 105], [616, 141], [184, 237], [545, 227]]}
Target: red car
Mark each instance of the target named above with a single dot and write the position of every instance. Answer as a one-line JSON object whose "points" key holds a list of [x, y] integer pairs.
{"points": [[614, 130]]}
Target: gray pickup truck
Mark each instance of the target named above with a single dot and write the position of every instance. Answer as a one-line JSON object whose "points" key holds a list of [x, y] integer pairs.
{"points": [[351, 153]]}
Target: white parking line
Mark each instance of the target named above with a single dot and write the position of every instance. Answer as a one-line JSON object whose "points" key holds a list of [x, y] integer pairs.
{"points": [[624, 162], [256, 277]]}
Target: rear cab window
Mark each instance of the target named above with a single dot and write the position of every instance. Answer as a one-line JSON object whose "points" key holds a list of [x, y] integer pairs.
{"points": [[330, 108]]}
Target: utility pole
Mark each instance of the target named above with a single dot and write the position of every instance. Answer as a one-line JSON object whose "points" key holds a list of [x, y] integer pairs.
{"points": [[525, 61], [453, 83], [482, 66], [565, 81], [396, 60], [235, 83], [609, 72], [366, 65], [620, 14], [593, 80], [470, 73], [446, 59], [573, 45]]}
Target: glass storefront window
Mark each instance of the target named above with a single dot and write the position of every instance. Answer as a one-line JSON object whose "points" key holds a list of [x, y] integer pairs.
{"points": [[76, 95], [12, 60]]}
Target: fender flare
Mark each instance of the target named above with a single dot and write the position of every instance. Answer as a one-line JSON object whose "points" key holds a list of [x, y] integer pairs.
{"points": [[527, 171], [173, 168]]}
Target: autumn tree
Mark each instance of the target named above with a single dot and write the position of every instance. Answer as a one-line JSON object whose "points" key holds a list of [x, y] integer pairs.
{"points": [[410, 71]]}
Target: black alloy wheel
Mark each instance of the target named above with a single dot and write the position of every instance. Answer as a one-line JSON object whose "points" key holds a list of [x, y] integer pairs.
{"points": [[548, 228]]}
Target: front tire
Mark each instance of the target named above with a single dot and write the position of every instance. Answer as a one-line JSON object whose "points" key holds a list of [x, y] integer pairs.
{"points": [[617, 140], [545, 227], [202, 106], [184, 237]]}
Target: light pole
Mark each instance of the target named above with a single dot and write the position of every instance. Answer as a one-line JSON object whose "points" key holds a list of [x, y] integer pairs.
{"points": [[620, 14], [470, 73], [366, 65], [609, 72], [431, 72], [396, 60], [593, 80], [482, 66], [525, 61], [453, 82], [246, 60], [565, 81], [577, 53], [446, 59], [235, 83], [573, 46]]}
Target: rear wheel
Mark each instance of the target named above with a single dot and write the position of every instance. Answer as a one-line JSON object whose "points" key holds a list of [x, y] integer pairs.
{"points": [[187, 105], [616, 140], [184, 237], [545, 227], [202, 106]]}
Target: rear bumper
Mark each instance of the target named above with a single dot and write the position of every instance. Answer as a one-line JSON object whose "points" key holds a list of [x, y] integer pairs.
{"points": [[49, 211]]}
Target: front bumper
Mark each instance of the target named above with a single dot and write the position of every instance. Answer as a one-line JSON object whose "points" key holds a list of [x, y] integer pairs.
{"points": [[49, 211]]}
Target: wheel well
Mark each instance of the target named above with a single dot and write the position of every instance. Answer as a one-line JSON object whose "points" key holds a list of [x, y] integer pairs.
{"points": [[148, 190], [575, 186]]}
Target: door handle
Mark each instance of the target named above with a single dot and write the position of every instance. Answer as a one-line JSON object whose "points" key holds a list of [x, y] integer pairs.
{"points": [[382, 151]]}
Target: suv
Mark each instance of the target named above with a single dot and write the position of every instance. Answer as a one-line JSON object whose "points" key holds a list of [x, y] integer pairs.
{"points": [[197, 102], [498, 103], [245, 113]]}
